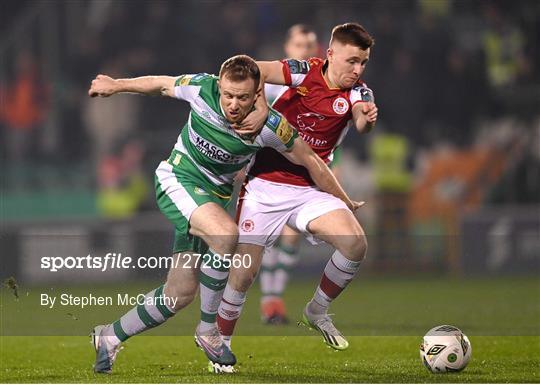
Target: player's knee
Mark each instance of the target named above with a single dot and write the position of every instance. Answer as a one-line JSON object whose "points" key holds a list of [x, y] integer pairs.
{"points": [[355, 247], [227, 239], [361, 247]]}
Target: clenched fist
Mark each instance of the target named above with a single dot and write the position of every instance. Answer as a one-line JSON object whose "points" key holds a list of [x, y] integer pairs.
{"points": [[370, 111], [103, 86]]}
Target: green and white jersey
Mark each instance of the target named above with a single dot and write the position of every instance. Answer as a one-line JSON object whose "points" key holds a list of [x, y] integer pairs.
{"points": [[208, 140]]}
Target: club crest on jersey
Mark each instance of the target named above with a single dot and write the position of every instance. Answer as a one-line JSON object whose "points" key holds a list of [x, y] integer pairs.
{"points": [[340, 106], [247, 225]]}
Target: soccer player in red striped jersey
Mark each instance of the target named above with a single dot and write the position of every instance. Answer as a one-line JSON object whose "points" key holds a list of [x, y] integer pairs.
{"points": [[300, 44], [324, 99]]}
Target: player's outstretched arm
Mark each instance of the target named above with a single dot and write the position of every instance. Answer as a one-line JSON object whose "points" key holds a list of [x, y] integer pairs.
{"points": [[272, 72], [365, 116], [105, 86], [323, 177]]}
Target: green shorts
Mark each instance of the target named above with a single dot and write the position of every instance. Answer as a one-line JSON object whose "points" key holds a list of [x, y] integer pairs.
{"points": [[179, 191]]}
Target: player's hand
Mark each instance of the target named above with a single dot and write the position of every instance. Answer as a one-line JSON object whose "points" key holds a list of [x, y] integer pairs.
{"points": [[252, 124], [103, 86], [353, 205], [370, 110], [249, 127]]}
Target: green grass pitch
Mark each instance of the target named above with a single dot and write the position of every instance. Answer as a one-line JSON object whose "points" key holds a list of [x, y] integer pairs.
{"points": [[384, 319]]}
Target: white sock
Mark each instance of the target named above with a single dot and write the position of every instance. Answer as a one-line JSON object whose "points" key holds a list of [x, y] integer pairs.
{"points": [[339, 271]]}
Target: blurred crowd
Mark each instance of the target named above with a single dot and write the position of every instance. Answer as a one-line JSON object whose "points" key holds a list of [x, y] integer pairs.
{"points": [[446, 74]]}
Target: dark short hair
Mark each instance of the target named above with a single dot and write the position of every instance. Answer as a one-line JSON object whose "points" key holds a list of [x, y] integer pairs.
{"points": [[304, 29], [353, 34], [239, 68]]}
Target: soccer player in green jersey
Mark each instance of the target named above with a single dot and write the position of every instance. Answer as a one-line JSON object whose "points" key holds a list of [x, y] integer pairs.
{"points": [[193, 188]]}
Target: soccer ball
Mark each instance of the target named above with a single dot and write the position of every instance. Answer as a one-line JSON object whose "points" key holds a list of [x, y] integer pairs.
{"points": [[445, 349]]}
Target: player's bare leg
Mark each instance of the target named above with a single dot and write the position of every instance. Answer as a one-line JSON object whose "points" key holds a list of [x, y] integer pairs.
{"points": [[341, 229], [178, 291], [215, 226], [212, 223], [240, 280], [182, 280], [274, 275]]}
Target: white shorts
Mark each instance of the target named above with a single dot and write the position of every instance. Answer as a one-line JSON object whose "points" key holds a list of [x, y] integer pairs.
{"points": [[265, 207]]}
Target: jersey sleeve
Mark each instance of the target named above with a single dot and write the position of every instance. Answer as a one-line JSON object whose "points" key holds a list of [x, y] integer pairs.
{"points": [[277, 133], [361, 93], [272, 91], [295, 71], [187, 87]]}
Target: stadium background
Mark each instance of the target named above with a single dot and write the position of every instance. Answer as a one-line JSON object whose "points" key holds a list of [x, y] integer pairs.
{"points": [[451, 174]]}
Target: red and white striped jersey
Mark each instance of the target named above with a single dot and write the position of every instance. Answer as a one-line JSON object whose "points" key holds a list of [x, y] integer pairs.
{"points": [[321, 115]]}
